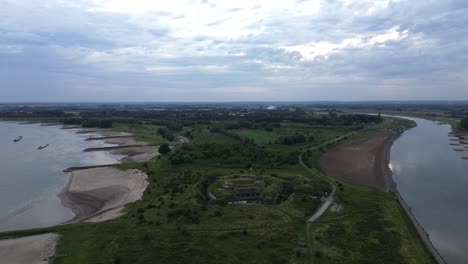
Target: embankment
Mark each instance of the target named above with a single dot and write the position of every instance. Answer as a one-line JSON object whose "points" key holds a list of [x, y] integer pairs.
{"points": [[366, 161]]}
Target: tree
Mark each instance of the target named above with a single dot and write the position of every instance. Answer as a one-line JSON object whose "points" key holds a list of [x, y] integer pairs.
{"points": [[164, 148]]}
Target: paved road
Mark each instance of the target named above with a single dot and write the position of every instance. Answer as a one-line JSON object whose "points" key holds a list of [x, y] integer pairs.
{"points": [[326, 203]]}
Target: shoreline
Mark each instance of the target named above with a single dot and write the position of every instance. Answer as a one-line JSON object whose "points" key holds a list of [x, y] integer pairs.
{"points": [[123, 148], [366, 161], [92, 194], [37, 249], [99, 193], [423, 235]]}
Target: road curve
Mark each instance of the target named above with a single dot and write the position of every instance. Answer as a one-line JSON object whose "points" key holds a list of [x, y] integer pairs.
{"points": [[327, 201], [322, 209]]}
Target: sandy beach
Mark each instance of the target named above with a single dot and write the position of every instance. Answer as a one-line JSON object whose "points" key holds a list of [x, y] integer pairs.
{"points": [[362, 161], [100, 194], [28, 250], [94, 195], [366, 161]]}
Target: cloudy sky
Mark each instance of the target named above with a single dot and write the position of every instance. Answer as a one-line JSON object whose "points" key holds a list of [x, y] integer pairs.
{"points": [[120, 50]]}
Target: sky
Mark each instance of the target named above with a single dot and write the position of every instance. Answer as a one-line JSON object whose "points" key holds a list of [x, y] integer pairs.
{"points": [[242, 50]]}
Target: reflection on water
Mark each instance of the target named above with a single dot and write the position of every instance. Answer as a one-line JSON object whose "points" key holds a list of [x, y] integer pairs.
{"points": [[30, 178], [433, 180]]}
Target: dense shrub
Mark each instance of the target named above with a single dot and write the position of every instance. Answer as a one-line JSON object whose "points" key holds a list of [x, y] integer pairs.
{"points": [[164, 149], [165, 133], [292, 139], [464, 123]]}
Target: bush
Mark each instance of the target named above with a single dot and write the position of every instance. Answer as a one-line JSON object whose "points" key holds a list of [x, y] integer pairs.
{"points": [[292, 139], [464, 124], [165, 133], [318, 254], [218, 213], [164, 149]]}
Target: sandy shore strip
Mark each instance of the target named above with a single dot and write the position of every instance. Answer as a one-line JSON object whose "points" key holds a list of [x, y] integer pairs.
{"points": [[124, 144], [100, 194], [116, 138], [361, 161], [36, 249], [123, 141], [137, 154], [366, 161]]}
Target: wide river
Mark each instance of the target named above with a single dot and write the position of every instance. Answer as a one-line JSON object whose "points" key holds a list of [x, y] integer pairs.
{"points": [[30, 179], [433, 180]]}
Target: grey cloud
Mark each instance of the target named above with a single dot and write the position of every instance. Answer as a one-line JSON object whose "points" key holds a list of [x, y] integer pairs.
{"points": [[69, 53]]}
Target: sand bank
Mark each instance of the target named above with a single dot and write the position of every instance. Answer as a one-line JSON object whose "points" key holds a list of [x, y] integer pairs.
{"points": [[28, 250], [123, 141], [365, 161], [100, 194], [115, 137], [362, 161], [135, 151], [137, 154]]}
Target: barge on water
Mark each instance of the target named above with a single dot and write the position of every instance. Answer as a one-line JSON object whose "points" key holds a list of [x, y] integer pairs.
{"points": [[43, 147]]}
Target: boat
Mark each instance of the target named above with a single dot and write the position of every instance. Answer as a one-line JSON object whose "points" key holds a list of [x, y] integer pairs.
{"points": [[43, 147], [17, 139]]}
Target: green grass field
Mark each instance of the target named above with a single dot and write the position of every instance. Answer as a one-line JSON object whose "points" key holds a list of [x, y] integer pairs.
{"points": [[260, 136], [176, 222], [372, 226]]}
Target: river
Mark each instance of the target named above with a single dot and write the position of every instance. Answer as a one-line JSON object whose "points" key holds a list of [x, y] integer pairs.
{"points": [[433, 180], [30, 179]]}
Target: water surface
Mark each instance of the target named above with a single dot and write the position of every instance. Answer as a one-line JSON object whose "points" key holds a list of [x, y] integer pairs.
{"points": [[433, 180], [30, 179]]}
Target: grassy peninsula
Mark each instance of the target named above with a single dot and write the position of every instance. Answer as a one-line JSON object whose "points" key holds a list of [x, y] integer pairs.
{"points": [[235, 192]]}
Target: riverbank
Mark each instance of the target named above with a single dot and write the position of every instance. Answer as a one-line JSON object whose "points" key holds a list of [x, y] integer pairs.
{"points": [[100, 194], [37, 249], [424, 236], [92, 194], [362, 161], [109, 147], [366, 161], [126, 145]]}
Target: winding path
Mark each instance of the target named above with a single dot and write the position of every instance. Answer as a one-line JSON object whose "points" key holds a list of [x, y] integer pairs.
{"points": [[327, 201], [325, 204]]}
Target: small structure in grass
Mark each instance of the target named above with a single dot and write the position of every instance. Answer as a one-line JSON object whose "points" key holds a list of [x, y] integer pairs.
{"points": [[243, 189]]}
